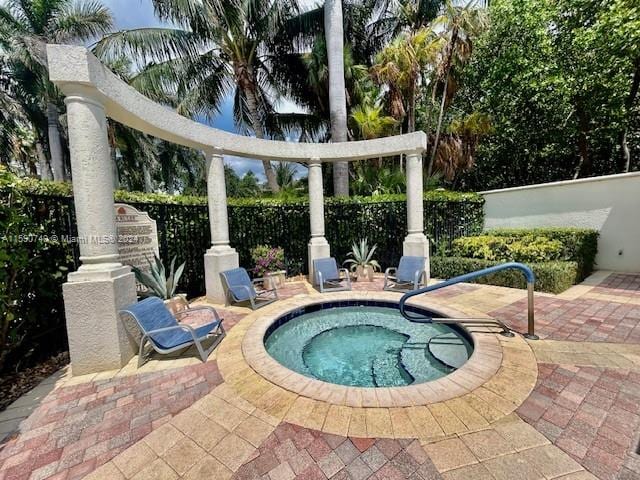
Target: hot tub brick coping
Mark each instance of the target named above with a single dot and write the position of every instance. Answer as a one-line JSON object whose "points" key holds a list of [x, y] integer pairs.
{"points": [[494, 382], [436, 390]]}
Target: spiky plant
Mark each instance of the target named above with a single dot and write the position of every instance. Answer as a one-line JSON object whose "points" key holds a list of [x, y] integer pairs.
{"points": [[157, 283], [362, 256]]}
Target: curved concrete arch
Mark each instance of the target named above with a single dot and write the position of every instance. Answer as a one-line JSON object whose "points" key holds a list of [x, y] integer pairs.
{"points": [[75, 70]]}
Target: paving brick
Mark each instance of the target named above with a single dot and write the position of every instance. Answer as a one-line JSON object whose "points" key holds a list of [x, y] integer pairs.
{"points": [[450, 454], [347, 452], [374, 458], [358, 470], [331, 464]]}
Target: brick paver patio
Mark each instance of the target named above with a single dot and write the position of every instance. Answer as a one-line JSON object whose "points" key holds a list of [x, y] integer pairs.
{"points": [[177, 418]]}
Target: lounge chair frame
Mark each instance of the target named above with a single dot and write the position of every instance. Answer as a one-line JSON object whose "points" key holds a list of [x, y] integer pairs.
{"points": [[334, 284], [263, 296], [393, 284], [218, 332]]}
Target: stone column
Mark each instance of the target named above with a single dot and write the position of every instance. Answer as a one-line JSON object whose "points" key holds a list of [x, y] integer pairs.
{"points": [[220, 256], [98, 339], [318, 246], [416, 242]]}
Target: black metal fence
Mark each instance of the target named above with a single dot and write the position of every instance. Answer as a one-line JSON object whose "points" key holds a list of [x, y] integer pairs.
{"points": [[183, 230]]}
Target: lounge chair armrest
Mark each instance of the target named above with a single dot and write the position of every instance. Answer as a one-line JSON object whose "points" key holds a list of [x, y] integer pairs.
{"points": [[416, 279], [199, 308], [347, 277]]}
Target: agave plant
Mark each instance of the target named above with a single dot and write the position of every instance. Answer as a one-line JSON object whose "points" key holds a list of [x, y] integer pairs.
{"points": [[361, 256], [159, 285]]}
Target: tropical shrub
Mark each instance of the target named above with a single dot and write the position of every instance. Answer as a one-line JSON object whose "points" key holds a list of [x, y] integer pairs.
{"points": [[362, 256], [267, 259], [552, 277], [559, 256], [155, 279], [33, 269], [527, 248], [579, 245]]}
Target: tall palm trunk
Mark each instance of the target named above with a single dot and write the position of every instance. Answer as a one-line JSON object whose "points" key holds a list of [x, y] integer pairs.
{"points": [[146, 176], [43, 163], [256, 123], [448, 65], [334, 39], [114, 167], [411, 109], [438, 127], [55, 145]]}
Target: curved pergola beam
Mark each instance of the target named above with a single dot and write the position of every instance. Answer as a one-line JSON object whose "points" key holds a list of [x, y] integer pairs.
{"points": [[75, 70]]}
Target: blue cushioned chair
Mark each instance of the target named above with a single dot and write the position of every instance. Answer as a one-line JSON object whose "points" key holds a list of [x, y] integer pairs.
{"points": [[240, 288], [327, 275], [161, 328], [410, 275]]}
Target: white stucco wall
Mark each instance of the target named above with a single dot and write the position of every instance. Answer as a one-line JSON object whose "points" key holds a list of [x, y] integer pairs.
{"points": [[610, 204]]}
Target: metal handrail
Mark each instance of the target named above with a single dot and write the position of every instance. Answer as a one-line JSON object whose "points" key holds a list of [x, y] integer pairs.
{"points": [[529, 276]]}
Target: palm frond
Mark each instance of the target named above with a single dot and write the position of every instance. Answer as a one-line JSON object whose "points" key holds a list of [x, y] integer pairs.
{"points": [[149, 45], [10, 21], [196, 16], [80, 21]]}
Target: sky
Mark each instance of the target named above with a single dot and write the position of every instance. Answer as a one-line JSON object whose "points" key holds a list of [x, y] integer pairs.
{"points": [[130, 14]]}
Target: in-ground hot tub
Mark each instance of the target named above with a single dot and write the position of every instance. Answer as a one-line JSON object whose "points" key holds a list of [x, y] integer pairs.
{"points": [[366, 343]]}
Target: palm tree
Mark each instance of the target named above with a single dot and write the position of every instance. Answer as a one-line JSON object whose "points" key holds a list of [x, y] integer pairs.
{"points": [[218, 49], [26, 26], [370, 121], [459, 26], [20, 116], [400, 65], [334, 39], [396, 17], [286, 172], [323, 74]]}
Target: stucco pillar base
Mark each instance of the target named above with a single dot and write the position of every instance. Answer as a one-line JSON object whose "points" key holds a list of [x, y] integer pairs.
{"points": [[417, 245], [318, 247], [98, 338], [216, 260]]}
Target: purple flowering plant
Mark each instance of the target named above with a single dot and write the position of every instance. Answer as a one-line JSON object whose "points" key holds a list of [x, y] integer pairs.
{"points": [[267, 259]]}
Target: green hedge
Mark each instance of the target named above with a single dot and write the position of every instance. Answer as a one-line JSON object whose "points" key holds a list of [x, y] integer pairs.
{"points": [[552, 277], [183, 224], [579, 245], [40, 187], [517, 249], [33, 270]]}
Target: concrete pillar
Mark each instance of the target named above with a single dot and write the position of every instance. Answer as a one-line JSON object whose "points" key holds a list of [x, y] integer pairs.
{"points": [[98, 339], [220, 256], [416, 242], [318, 246]]}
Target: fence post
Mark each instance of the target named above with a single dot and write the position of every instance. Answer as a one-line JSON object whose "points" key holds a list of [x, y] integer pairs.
{"points": [[220, 256]]}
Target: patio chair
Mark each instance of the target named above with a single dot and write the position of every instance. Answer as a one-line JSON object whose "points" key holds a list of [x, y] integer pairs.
{"points": [[161, 328], [327, 275], [409, 275], [240, 288]]}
